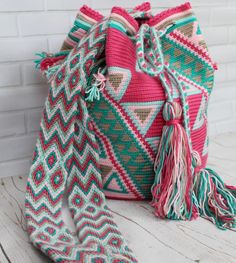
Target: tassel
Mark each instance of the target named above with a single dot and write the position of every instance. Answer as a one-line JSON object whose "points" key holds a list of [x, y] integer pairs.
{"points": [[97, 86], [93, 93], [232, 189], [216, 200], [37, 62], [48, 63], [172, 188]]}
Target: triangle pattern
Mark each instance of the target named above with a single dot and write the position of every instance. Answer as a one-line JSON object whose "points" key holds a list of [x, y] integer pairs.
{"points": [[200, 116], [199, 32], [114, 184], [191, 89], [153, 142], [187, 30], [117, 82], [105, 170], [143, 114]]}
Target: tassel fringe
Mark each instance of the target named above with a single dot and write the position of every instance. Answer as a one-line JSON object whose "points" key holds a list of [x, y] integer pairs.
{"points": [[179, 195], [38, 61], [216, 200], [93, 93], [49, 64], [173, 185], [98, 85]]}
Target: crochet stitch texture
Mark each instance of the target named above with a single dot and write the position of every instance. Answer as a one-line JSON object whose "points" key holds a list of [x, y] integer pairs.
{"points": [[133, 100], [138, 132], [66, 161]]}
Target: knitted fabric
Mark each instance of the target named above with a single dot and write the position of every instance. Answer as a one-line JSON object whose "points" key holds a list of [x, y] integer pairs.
{"points": [[152, 113], [158, 64], [133, 100], [85, 19], [81, 26], [66, 161]]}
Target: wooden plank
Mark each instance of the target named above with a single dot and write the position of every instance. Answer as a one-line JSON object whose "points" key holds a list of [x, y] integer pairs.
{"points": [[153, 240]]}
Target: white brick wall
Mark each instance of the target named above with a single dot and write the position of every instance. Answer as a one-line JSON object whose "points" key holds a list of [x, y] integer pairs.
{"points": [[30, 26]]}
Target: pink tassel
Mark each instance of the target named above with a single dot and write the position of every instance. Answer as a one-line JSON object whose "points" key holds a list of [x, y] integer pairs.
{"points": [[173, 185]]}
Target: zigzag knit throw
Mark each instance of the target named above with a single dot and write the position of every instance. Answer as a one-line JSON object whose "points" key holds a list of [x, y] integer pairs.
{"points": [[101, 132]]}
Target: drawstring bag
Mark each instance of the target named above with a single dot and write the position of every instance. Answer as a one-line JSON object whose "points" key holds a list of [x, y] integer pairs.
{"points": [[150, 118], [66, 158], [49, 63], [125, 116]]}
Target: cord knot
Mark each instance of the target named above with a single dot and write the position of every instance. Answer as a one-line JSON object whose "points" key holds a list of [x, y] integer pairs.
{"points": [[172, 113]]}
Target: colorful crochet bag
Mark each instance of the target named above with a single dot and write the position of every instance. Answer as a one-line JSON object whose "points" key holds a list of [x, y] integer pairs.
{"points": [[150, 119], [105, 103], [66, 159]]}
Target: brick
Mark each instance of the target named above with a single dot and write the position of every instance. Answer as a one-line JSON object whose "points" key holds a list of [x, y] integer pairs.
{"points": [[21, 49], [17, 147], [31, 75], [11, 124], [194, 3], [223, 16], [72, 17], [208, 3], [8, 26], [220, 111], [43, 24], [15, 168], [66, 5], [22, 5], [223, 54], [226, 126], [223, 92], [33, 118], [232, 34], [221, 73], [165, 4], [202, 15], [55, 43], [232, 2], [10, 75], [109, 4], [231, 72], [22, 98], [161, 3], [211, 35], [234, 112]]}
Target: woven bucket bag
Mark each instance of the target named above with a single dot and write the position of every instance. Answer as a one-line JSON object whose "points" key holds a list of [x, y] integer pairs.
{"points": [[150, 118], [125, 118]]}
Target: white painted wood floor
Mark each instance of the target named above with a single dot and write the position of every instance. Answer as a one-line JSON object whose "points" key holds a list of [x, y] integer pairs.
{"points": [[152, 240]]}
